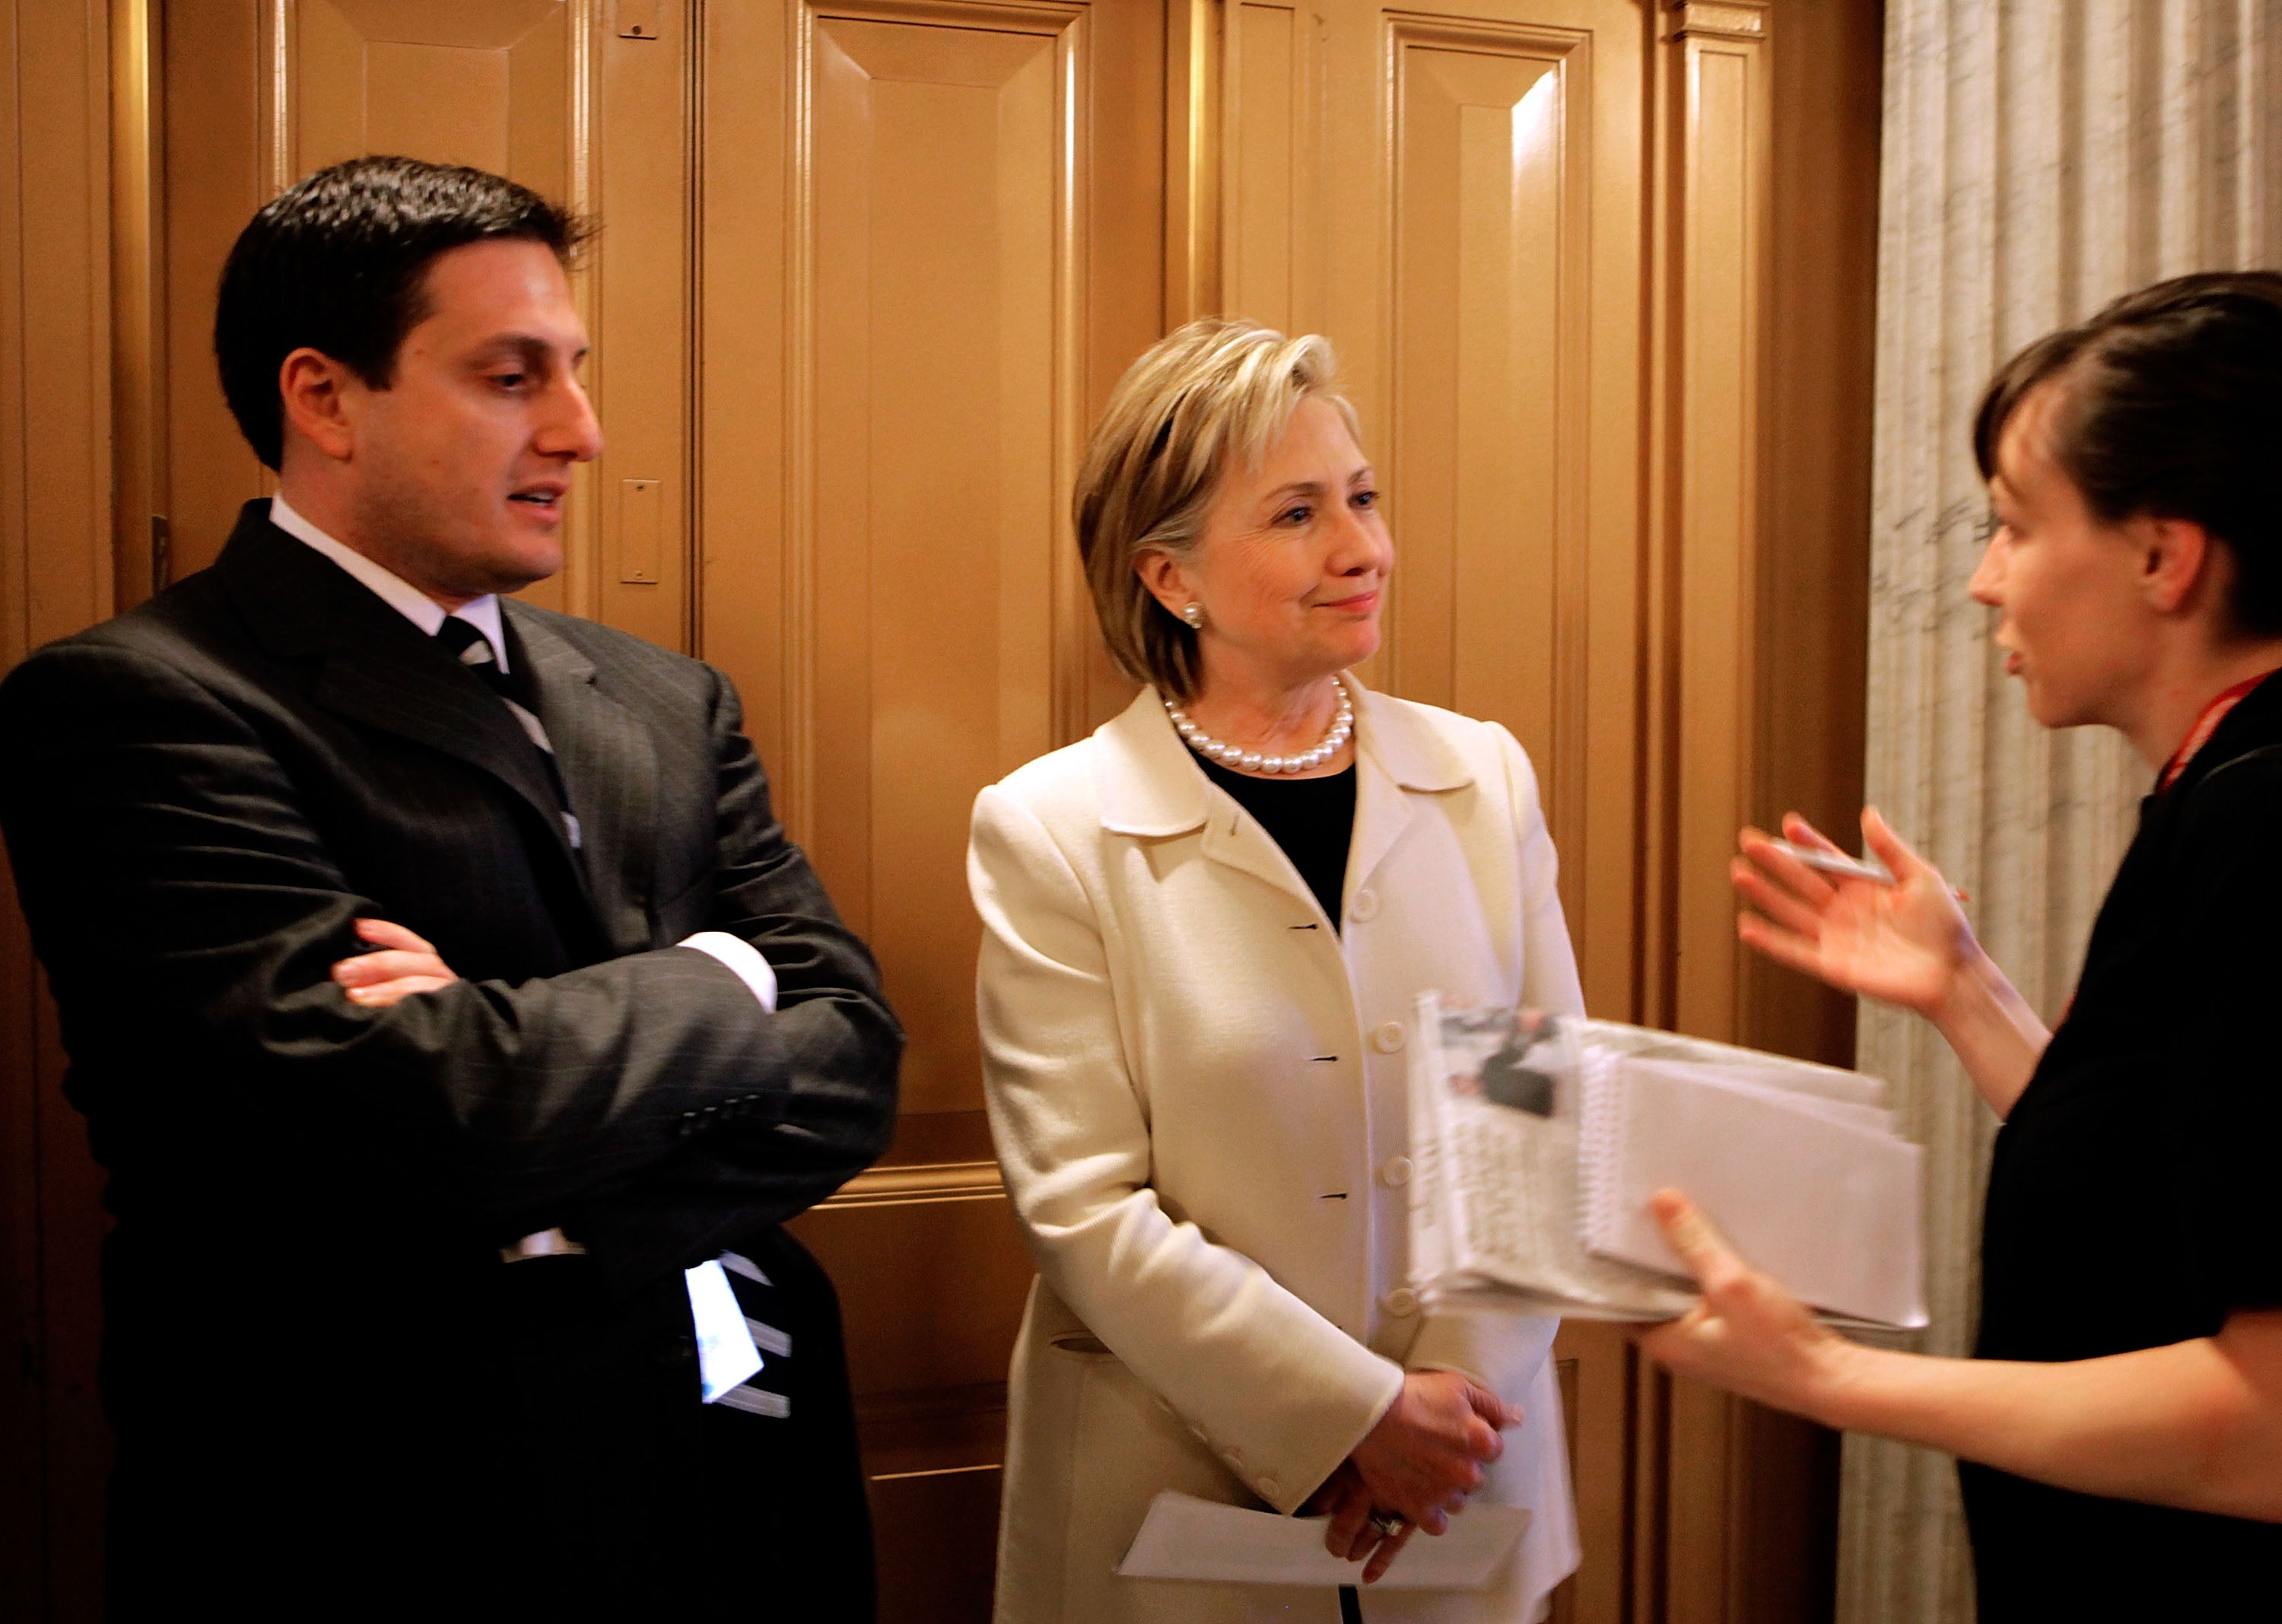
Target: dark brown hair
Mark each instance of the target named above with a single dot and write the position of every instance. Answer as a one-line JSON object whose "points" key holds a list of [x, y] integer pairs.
{"points": [[338, 263], [2170, 406]]}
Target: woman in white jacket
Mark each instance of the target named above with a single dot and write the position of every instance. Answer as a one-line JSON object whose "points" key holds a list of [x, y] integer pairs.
{"points": [[1203, 930]]}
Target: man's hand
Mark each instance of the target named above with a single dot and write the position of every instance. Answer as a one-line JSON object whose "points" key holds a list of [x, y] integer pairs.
{"points": [[1426, 1454], [400, 964], [1746, 1334]]}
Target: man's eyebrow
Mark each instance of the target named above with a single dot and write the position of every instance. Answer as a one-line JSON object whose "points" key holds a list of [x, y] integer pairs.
{"points": [[527, 347]]}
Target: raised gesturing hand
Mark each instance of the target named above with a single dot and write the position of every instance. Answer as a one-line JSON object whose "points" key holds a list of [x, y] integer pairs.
{"points": [[1903, 944]]}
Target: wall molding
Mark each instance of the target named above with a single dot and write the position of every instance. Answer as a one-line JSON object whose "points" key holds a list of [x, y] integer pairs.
{"points": [[941, 1181], [1698, 20]]}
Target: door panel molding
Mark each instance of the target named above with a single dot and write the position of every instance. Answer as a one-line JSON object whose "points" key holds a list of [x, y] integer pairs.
{"points": [[929, 247], [1709, 726], [1273, 246], [1720, 269], [1490, 415], [928, 649]]}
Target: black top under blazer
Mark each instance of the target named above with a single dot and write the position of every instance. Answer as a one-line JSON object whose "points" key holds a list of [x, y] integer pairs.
{"points": [[2131, 1198], [320, 1372]]}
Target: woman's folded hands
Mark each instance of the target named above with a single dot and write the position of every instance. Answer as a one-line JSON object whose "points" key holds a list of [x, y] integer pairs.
{"points": [[1417, 1465]]}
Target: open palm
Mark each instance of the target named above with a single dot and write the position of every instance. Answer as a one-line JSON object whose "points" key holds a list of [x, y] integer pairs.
{"points": [[1902, 943]]}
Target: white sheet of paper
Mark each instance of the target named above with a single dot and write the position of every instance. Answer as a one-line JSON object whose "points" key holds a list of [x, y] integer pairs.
{"points": [[1188, 1538], [725, 1354]]}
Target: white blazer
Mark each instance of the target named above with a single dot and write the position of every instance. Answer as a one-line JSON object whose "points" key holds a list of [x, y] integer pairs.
{"points": [[1196, 1090]]}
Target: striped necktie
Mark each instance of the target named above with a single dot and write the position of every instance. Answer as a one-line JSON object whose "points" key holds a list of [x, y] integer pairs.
{"points": [[469, 647], [467, 644]]}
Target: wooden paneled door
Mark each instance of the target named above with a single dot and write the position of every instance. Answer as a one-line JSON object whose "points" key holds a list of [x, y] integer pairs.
{"points": [[932, 244]]}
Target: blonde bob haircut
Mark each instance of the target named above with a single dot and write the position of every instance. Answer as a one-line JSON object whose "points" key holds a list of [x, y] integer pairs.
{"points": [[1201, 398]]}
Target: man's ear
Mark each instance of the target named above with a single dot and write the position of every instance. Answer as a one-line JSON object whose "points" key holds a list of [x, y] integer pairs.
{"points": [[2180, 564], [315, 391], [1167, 581]]}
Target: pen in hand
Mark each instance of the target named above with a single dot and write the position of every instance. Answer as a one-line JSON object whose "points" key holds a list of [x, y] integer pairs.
{"points": [[1839, 863]]}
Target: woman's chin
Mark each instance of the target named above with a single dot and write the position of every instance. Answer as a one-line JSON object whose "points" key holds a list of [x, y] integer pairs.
{"points": [[1355, 649], [2055, 714]]}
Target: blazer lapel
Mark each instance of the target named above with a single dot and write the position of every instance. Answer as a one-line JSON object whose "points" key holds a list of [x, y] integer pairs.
{"points": [[1151, 786], [1396, 757], [609, 767], [376, 668]]}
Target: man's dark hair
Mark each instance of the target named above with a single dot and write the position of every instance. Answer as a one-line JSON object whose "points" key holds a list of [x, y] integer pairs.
{"points": [[337, 263], [2170, 406]]}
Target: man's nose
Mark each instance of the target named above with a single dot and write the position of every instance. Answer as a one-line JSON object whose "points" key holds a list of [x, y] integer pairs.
{"points": [[571, 430]]}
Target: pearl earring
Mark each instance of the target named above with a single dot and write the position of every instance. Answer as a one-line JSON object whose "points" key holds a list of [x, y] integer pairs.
{"points": [[1194, 612]]}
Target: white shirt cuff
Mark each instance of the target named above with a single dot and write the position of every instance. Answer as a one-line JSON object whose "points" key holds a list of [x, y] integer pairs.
{"points": [[742, 958]]}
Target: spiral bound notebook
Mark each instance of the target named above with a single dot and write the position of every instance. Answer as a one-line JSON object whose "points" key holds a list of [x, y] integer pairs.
{"points": [[1819, 1192], [1537, 1140]]}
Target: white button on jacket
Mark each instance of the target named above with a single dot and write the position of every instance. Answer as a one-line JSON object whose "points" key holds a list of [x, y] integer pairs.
{"points": [[1196, 1087]]}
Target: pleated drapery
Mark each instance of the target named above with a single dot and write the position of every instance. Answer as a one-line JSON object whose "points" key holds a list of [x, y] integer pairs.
{"points": [[2040, 157]]}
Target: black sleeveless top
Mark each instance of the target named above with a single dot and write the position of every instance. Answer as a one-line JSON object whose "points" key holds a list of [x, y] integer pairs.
{"points": [[2130, 1197], [1312, 819]]}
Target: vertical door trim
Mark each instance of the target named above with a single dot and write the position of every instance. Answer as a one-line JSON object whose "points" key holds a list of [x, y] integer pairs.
{"points": [[1714, 206], [138, 306]]}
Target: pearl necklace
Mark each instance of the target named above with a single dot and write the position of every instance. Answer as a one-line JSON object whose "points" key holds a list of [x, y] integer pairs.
{"points": [[1252, 761]]}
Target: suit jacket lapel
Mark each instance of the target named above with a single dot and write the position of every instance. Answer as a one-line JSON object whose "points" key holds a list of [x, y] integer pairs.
{"points": [[377, 667], [609, 766]]}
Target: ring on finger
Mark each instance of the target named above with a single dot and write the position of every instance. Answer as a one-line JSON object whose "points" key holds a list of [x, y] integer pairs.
{"points": [[1388, 1525]]}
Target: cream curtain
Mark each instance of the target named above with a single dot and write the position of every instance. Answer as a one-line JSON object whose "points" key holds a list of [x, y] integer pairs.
{"points": [[2040, 157]]}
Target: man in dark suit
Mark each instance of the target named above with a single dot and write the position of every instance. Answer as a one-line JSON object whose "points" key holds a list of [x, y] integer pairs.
{"points": [[453, 1015]]}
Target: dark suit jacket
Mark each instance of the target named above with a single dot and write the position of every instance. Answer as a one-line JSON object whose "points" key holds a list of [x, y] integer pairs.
{"points": [[318, 1368]]}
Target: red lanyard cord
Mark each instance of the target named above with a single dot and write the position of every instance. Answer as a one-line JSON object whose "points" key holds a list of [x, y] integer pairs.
{"points": [[2206, 725]]}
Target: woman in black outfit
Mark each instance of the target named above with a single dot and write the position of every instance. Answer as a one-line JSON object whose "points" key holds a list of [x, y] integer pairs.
{"points": [[2120, 1425]]}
